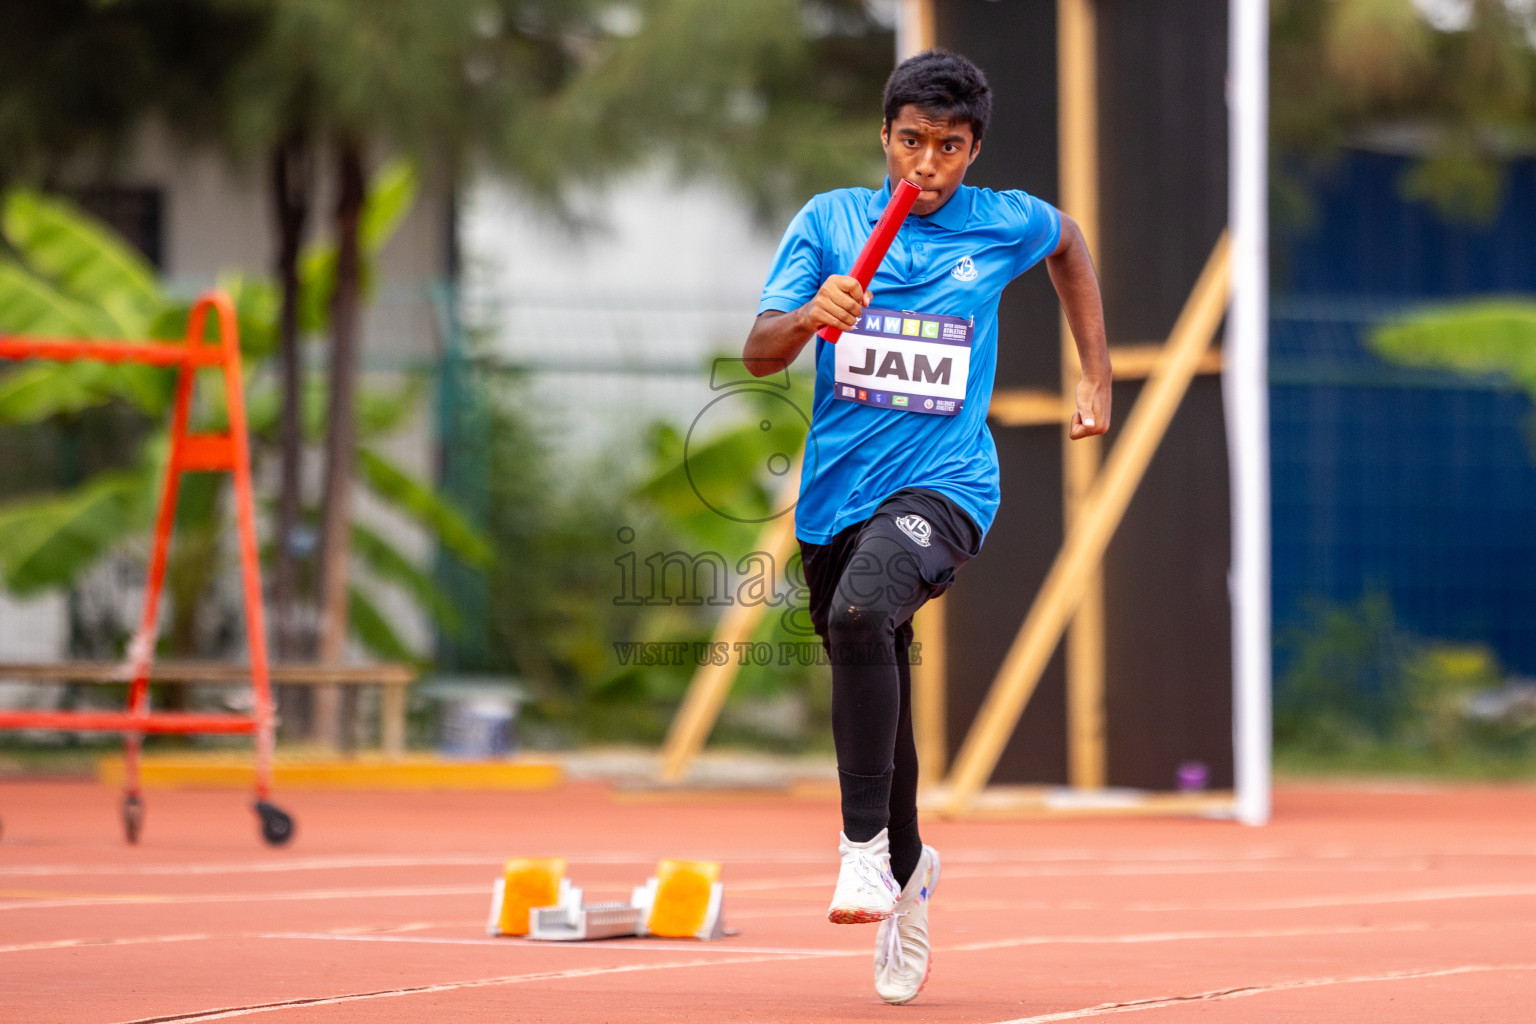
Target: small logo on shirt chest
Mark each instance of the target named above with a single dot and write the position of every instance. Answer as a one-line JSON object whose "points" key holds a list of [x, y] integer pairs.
{"points": [[965, 270]]}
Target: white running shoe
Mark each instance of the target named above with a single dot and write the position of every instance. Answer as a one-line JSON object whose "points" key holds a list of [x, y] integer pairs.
{"points": [[902, 955], [866, 891]]}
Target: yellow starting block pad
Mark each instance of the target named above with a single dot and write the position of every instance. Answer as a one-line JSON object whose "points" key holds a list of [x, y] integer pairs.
{"points": [[227, 771], [525, 885], [685, 900]]}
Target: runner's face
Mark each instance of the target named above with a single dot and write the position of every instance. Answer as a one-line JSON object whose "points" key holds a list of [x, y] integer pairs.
{"points": [[932, 155]]}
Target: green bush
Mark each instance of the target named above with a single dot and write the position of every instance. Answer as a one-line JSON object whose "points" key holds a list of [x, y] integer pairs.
{"points": [[1361, 695]]}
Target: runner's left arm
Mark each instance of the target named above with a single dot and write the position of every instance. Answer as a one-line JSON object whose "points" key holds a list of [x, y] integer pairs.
{"points": [[1077, 286]]}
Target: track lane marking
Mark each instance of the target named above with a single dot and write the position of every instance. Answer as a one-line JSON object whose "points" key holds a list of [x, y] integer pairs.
{"points": [[974, 856], [29, 947], [226, 1013], [1445, 893], [252, 897], [645, 945], [1243, 991]]}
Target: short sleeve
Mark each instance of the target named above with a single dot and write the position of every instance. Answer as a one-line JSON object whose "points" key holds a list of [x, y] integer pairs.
{"points": [[796, 271], [1039, 229]]}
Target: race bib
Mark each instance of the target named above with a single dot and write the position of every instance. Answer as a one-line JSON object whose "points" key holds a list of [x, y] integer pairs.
{"points": [[911, 362]]}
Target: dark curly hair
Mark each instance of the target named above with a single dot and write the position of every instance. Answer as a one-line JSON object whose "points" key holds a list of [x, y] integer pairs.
{"points": [[943, 85]]}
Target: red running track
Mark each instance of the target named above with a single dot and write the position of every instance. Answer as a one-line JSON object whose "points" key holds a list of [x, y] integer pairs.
{"points": [[1357, 904]]}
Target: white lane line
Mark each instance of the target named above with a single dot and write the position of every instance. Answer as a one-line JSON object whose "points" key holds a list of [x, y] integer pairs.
{"points": [[1118, 870], [648, 945], [134, 899], [1215, 867], [1065, 855], [226, 1013], [1189, 936], [488, 860], [764, 886], [961, 905], [28, 947], [1240, 992], [969, 947], [1465, 892]]}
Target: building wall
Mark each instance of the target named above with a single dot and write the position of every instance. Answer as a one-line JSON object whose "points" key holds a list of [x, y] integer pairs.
{"points": [[616, 319]]}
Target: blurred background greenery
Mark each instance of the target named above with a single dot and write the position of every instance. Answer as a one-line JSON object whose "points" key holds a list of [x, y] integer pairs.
{"points": [[347, 117]]}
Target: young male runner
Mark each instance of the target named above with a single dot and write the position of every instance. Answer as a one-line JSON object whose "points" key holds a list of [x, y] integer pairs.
{"points": [[905, 480]]}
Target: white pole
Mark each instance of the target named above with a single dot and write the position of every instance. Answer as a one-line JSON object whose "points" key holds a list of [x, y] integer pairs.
{"points": [[1245, 392]]}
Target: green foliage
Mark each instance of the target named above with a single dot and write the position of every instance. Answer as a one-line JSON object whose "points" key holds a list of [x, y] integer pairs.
{"points": [[385, 563], [779, 96], [1483, 338], [1437, 683], [78, 278], [554, 599], [1345, 676], [391, 194], [1464, 93], [83, 260], [730, 468], [374, 630], [1360, 695], [1487, 337], [78, 76], [422, 504], [48, 542], [73, 277]]}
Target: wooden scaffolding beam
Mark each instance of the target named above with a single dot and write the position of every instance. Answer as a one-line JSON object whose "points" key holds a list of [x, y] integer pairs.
{"points": [[1089, 533], [1078, 160]]}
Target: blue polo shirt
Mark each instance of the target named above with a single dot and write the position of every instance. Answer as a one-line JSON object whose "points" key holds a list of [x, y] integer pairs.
{"points": [[956, 261]]}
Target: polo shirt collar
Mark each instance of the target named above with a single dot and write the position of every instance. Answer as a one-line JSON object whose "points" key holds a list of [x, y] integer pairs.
{"points": [[952, 215]]}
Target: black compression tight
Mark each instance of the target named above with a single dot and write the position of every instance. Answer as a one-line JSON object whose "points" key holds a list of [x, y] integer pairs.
{"points": [[869, 636]]}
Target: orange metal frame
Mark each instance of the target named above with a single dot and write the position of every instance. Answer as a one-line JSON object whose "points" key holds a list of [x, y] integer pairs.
{"points": [[227, 452]]}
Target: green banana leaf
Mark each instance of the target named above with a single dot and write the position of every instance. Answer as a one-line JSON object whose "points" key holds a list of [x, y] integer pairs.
{"points": [[388, 565], [84, 259], [29, 304], [374, 631], [78, 280], [418, 501], [48, 542], [34, 392]]}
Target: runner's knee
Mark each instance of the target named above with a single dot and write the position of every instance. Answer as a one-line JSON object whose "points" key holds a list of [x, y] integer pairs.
{"points": [[866, 621]]}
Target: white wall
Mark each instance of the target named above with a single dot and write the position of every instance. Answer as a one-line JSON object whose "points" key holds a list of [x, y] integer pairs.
{"points": [[618, 320]]}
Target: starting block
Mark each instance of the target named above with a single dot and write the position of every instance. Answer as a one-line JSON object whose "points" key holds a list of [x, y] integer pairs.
{"points": [[684, 900], [526, 884], [574, 923]]}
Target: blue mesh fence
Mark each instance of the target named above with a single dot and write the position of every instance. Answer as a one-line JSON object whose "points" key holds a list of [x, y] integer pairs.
{"points": [[1419, 485]]}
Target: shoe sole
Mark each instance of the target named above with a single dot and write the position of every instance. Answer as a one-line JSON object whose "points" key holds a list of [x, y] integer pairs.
{"points": [[847, 915]]}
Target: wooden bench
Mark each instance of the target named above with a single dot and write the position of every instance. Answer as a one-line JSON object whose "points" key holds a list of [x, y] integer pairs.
{"points": [[391, 677]]}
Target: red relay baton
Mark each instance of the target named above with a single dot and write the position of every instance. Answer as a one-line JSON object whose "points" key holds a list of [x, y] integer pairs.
{"points": [[880, 240]]}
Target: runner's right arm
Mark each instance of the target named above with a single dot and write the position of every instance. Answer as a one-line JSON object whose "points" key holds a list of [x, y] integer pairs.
{"points": [[777, 337]]}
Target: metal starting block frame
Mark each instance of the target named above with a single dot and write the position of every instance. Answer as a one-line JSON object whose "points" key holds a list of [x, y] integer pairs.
{"points": [[577, 923], [685, 899]]}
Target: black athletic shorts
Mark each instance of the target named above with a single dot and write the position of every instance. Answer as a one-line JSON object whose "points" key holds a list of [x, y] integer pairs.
{"points": [[935, 537]]}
